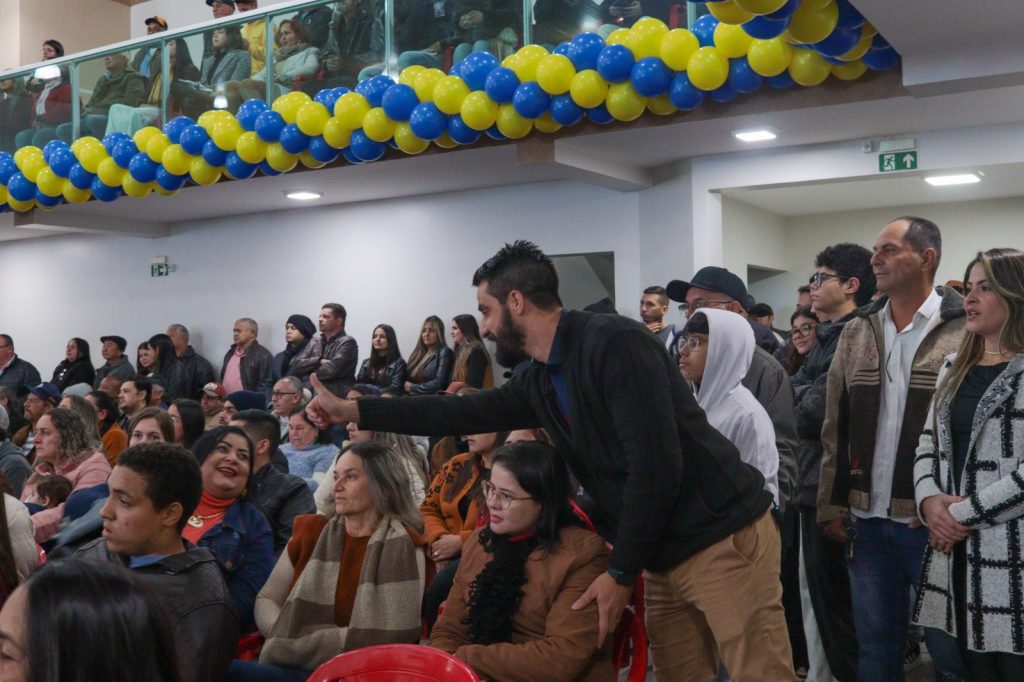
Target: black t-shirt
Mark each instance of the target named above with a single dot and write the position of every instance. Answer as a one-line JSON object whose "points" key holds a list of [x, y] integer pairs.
{"points": [[962, 410]]}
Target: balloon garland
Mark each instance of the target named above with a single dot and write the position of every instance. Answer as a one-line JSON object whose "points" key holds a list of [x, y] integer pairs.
{"points": [[734, 50]]}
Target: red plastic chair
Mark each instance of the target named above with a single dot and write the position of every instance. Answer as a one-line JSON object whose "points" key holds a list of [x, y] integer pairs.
{"points": [[630, 646], [394, 663], [249, 647]]}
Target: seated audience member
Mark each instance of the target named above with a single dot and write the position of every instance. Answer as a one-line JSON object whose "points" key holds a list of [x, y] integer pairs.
{"points": [[226, 523], [145, 360], [385, 367], [116, 365], [316, 22], [150, 425], [421, 40], [430, 365], [153, 491], [111, 386], [255, 35], [14, 409], [15, 112], [46, 492], [298, 330], [309, 452], [351, 44], [18, 552], [557, 21], [90, 418], [13, 465], [189, 421], [472, 364], [228, 60], [112, 436], [156, 398], [134, 396], [763, 313], [294, 58], [714, 353], [120, 84], [802, 335], [625, 13], [126, 118], [63, 448], [78, 620], [212, 401], [248, 366], [196, 371], [76, 367], [280, 496], [14, 371], [351, 581], [286, 398], [241, 400], [510, 612], [51, 106], [168, 371], [40, 401], [147, 59], [482, 26], [331, 355]]}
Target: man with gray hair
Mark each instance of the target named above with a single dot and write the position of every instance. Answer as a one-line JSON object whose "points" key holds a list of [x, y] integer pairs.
{"points": [[248, 366], [286, 397], [196, 371], [14, 371], [331, 355]]}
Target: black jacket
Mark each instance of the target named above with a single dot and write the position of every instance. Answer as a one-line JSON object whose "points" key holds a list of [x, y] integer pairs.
{"points": [[19, 373], [391, 377], [71, 373], [281, 497], [436, 375], [256, 368], [338, 373], [195, 372], [664, 493]]}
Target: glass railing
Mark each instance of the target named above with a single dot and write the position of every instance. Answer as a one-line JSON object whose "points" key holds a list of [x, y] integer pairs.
{"points": [[308, 46]]}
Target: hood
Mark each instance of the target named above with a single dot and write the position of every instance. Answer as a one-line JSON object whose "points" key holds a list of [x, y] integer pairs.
{"points": [[730, 350]]}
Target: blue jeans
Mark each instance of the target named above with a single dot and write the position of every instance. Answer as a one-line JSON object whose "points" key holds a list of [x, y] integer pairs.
{"points": [[91, 124], [886, 563]]}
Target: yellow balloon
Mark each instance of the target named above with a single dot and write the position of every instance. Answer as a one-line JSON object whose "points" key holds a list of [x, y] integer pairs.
{"points": [[814, 4], [49, 183], [312, 118], [110, 173], [646, 37], [24, 153], [478, 111], [661, 106], [527, 59], [729, 12], [136, 189], [546, 124], [424, 86], [448, 94], [90, 156], [336, 134], [156, 146], [676, 48], [407, 140], [761, 6], [307, 160], [619, 36], [732, 40], [813, 25], [624, 104], [769, 57], [250, 148], [206, 119], [288, 105], [21, 206], [142, 137], [377, 126], [859, 50], [808, 68], [555, 73], [165, 192], [588, 89], [175, 160], [868, 29], [73, 195], [225, 134], [511, 124], [350, 109], [850, 71], [446, 142], [409, 73], [33, 165], [203, 173], [708, 68], [509, 61], [279, 159], [3, 194]]}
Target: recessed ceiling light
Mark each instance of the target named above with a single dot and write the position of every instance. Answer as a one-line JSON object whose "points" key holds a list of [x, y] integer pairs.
{"points": [[302, 195], [759, 135], [947, 180]]}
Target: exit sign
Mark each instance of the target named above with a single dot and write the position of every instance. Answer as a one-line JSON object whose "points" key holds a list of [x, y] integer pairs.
{"points": [[897, 161], [159, 270]]}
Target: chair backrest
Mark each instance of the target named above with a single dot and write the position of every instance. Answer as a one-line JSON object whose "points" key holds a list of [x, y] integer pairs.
{"points": [[394, 663]]}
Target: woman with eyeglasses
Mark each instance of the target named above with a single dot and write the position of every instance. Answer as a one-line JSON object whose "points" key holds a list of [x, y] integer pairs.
{"points": [[510, 613], [802, 336]]}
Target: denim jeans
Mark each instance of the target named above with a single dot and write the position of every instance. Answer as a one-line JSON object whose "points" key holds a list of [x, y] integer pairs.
{"points": [[885, 564]]}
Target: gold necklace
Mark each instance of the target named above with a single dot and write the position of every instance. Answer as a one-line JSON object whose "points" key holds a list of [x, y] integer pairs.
{"points": [[196, 521]]}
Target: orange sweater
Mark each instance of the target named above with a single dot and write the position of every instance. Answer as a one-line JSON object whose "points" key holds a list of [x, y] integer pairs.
{"points": [[115, 440], [441, 515]]}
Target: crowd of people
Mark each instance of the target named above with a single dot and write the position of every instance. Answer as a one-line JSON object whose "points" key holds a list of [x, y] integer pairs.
{"points": [[787, 507]]}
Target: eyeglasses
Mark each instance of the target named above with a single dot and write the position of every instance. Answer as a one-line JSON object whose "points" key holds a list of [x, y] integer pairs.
{"points": [[280, 394], [818, 279], [702, 303], [801, 331], [690, 343], [505, 498]]}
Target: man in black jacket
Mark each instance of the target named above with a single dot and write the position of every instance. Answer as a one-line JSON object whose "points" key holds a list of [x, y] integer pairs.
{"points": [[677, 501], [14, 371], [196, 371]]}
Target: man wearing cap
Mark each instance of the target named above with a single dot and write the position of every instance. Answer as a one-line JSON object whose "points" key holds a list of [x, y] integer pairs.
{"points": [[255, 33], [116, 365], [14, 371], [147, 60], [41, 399], [212, 400], [196, 371]]}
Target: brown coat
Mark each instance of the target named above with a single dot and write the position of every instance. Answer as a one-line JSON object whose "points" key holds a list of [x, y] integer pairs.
{"points": [[549, 640], [441, 515]]}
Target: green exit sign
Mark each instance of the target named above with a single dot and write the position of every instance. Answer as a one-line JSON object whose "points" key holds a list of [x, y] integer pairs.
{"points": [[159, 270], [897, 161]]}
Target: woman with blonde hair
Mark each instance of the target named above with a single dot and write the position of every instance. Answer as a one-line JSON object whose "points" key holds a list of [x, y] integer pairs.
{"points": [[430, 365], [969, 477], [472, 361]]}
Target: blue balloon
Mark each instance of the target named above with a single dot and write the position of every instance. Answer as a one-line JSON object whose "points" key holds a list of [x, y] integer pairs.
{"points": [[460, 132], [214, 155], [427, 121], [456, 69], [193, 139], [881, 60], [476, 67], [683, 94], [562, 49], [565, 111], [329, 97], [294, 140], [704, 30], [51, 147], [268, 126], [615, 63], [784, 12], [104, 192], [321, 96], [337, 92], [849, 16], [495, 134], [600, 115], [840, 41], [249, 112], [110, 141], [169, 181], [742, 78], [584, 49], [530, 100], [782, 81], [20, 187], [373, 89], [650, 77], [350, 157], [238, 169], [833, 60], [391, 143], [174, 127], [48, 201], [7, 167], [723, 94], [267, 170], [879, 43], [501, 84], [321, 151], [142, 168], [124, 152], [764, 28], [365, 149], [399, 101], [81, 178], [62, 160]]}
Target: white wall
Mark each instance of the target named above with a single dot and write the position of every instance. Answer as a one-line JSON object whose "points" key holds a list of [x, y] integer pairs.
{"points": [[752, 236], [179, 13]]}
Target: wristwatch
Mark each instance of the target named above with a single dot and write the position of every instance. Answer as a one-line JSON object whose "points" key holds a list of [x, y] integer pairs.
{"points": [[621, 577]]}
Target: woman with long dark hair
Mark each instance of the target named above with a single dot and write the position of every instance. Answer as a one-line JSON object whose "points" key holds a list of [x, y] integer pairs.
{"points": [[385, 367], [472, 361], [430, 365], [125, 118], [189, 421], [510, 612], [76, 367]]}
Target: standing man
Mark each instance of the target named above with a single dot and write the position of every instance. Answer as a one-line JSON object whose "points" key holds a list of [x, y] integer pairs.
{"points": [[248, 366], [880, 385], [14, 371], [212, 399], [116, 365], [670, 491], [196, 371], [332, 355], [653, 309]]}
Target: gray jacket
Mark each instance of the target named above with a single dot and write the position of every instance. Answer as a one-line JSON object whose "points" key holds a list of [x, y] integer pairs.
{"points": [[122, 369], [235, 65], [769, 383], [19, 373], [338, 373], [14, 466]]}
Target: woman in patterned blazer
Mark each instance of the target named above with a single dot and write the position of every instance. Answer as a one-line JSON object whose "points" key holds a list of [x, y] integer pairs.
{"points": [[969, 475]]}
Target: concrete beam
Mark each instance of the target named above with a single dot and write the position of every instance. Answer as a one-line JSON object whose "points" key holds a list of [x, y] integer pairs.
{"points": [[583, 164], [65, 221]]}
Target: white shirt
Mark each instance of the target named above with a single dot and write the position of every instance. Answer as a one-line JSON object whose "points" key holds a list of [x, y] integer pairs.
{"points": [[897, 361]]}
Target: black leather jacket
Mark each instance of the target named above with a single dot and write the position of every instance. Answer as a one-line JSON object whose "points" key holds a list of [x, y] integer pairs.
{"points": [[436, 375], [281, 497], [391, 377]]}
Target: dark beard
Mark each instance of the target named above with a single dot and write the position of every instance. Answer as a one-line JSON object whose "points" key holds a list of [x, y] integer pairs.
{"points": [[509, 342]]}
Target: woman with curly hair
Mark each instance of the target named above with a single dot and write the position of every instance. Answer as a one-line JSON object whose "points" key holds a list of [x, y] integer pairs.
{"points": [[509, 614]]}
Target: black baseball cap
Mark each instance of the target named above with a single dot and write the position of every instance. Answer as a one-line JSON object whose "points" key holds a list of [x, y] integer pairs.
{"points": [[226, 2], [119, 340], [711, 278]]}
